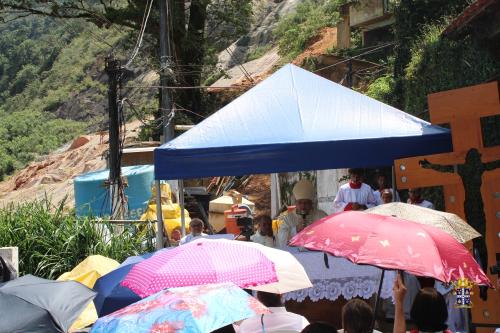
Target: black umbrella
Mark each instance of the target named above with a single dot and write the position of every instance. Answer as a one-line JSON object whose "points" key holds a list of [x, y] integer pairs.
{"points": [[32, 304]]}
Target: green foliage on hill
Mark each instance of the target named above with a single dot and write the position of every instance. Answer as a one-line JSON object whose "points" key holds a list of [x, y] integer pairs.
{"points": [[45, 64], [295, 30], [52, 241], [439, 64]]}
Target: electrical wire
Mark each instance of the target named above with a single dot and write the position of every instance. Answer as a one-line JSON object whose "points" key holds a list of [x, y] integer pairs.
{"points": [[355, 57], [191, 87], [138, 43]]}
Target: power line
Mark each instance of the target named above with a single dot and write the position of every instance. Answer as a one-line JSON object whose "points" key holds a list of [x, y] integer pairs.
{"points": [[241, 67], [138, 43], [190, 87], [355, 57]]}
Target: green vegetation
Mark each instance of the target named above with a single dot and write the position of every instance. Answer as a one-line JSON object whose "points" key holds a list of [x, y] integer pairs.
{"points": [[295, 30], [439, 64], [45, 65], [52, 241]]}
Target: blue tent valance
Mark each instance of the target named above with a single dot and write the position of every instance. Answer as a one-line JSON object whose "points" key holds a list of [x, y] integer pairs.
{"points": [[296, 120]]}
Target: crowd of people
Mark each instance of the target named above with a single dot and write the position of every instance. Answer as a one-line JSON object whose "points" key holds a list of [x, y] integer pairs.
{"points": [[354, 195], [426, 308], [428, 313]]}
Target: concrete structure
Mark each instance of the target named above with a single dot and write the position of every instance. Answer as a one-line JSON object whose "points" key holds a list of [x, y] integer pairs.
{"points": [[373, 17], [12, 255]]}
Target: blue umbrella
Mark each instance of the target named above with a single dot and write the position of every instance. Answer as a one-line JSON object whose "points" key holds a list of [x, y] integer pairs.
{"points": [[111, 296]]}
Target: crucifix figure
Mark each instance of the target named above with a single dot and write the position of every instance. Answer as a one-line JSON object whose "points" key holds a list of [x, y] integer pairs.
{"points": [[469, 176], [471, 173]]}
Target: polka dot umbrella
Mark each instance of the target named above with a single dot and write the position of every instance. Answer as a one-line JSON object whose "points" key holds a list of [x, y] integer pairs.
{"points": [[207, 261]]}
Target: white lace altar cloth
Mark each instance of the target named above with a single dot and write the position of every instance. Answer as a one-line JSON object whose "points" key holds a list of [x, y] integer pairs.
{"points": [[343, 278]]}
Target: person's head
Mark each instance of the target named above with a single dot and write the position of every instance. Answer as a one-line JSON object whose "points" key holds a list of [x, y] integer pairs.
{"points": [[356, 175], [265, 224], [473, 156], [196, 227], [386, 196], [319, 327], [415, 194], [303, 191], [357, 317], [269, 299], [429, 311], [381, 181]]}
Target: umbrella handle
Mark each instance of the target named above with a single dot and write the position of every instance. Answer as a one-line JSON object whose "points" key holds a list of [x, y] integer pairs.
{"points": [[325, 258], [377, 300], [262, 323]]}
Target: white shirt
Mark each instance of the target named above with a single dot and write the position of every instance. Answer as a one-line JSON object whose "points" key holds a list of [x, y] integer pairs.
{"points": [[424, 203], [264, 240], [278, 319], [190, 237], [363, 196], [288, 228]]}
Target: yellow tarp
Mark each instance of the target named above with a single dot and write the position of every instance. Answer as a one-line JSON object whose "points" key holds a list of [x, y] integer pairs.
{"points": [[87, 272]]}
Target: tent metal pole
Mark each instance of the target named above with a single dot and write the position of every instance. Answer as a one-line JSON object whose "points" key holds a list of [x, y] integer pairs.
{"points": [[394, 189], [275, 191], [181, 203], [159, 217]]}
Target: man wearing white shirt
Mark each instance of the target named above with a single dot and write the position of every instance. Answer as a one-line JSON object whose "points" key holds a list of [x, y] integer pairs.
{"points": [[278, 319], [416, 198], [305, 213], [196, 228], [354, 195]]}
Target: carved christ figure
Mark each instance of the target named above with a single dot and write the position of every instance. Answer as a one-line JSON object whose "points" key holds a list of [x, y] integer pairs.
{"points": [[471, 173]]}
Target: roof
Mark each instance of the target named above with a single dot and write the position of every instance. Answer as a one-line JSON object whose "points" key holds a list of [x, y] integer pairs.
{"points": [[296, 120], [474, 10]]}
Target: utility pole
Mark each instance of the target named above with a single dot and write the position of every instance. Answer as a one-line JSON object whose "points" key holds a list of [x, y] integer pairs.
{"points": [[166, 77], [114, 71], [165, 72]]}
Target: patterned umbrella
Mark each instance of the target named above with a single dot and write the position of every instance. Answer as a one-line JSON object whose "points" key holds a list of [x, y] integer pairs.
{"points": [[206, 261], [392, 243], [188, 309], [450, 223]]}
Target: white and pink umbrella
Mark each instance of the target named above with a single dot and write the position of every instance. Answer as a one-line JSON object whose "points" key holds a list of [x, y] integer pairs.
{"points": [[206, 261]]}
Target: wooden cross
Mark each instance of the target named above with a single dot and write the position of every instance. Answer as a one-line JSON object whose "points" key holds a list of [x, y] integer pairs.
{"points": [[462, 109]]}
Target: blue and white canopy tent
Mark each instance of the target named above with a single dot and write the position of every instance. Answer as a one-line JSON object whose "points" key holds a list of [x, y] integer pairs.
{"points": [[293, 121]]}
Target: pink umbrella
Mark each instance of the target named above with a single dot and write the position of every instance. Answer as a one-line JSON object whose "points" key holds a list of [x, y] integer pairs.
{"points": [[392, 243], [201, 262]]}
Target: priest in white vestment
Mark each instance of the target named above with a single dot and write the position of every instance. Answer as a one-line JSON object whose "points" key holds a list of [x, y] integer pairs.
{"points": [[305, 213], [354, 195]]}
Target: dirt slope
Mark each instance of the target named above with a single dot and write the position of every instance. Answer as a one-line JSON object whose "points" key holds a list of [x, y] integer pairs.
{"points": [[53, 174]]}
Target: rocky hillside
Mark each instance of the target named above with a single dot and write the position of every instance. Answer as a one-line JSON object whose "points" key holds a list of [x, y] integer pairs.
{"points": [[58, 92]]}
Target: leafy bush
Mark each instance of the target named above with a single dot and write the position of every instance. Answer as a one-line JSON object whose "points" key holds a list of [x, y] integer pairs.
{"points": [[381, 89], [295, 30], [52, 241], [439, 64]]}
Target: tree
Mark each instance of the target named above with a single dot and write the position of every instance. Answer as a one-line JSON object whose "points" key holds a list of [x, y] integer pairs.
{"points": [[197, 26]]}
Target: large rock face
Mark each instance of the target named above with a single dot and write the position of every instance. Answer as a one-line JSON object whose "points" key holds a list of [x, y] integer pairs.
{"points": [[266, 16]]}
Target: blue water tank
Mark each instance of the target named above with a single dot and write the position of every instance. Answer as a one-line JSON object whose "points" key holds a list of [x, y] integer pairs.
{"points": [[92, 197]]}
